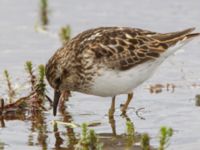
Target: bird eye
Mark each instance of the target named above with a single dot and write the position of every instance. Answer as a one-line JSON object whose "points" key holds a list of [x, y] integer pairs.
{"points": [[57, 81]]}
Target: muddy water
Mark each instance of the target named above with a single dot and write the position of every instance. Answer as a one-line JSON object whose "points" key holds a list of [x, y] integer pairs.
{"points": [[175, 108]]}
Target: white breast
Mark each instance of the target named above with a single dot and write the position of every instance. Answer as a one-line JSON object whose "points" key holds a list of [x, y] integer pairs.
{"points": [[113, 82]]}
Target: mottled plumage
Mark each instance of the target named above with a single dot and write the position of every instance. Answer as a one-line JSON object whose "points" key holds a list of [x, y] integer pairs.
{"points": [[104, 60]]}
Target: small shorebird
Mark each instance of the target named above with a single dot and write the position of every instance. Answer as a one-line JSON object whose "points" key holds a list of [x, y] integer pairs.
{"points": [[109, 61]]}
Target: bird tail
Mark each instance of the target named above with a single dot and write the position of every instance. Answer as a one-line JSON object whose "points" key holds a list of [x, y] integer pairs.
{"points": [[174, 37]]}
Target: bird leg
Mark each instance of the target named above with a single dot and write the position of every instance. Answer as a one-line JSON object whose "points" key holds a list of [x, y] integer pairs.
{"points": [[125, 105], [111, 116]]}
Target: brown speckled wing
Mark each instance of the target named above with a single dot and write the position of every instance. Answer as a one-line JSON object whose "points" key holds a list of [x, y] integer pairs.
{"points": [[123, 48]]}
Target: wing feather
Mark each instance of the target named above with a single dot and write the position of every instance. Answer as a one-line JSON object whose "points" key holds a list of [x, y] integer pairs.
{"points": [[123, 48]]}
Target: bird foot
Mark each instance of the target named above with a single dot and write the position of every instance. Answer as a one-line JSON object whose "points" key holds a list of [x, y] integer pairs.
{"points": [[123, 114]]}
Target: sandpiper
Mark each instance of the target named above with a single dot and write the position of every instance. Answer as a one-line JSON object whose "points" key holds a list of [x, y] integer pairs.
{"points": [[109, 61]]}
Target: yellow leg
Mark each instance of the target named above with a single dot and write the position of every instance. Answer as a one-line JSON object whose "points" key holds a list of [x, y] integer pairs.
{"points": [[112, 107], [125, 106], [111, 116]]}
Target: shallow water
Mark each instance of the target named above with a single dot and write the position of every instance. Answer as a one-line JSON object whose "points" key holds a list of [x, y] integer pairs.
{"points": [[19, 42]]}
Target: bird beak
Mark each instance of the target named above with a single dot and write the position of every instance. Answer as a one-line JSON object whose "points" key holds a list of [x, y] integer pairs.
{"points": [[57, 94]]}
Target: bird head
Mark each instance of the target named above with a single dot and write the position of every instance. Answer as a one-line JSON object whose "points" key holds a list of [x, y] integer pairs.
{"points": [[61, 77]]}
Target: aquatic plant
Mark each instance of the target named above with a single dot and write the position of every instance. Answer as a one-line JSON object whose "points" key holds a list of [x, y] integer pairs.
{"points": [[11, 91], [88, 140], [32, 77], [145, 142], [197, 100], [38, 85], [84, 138], [130, 133], [165, 135], [44, 13], [130, 128], [41, 86], [33, 102], [65, 34], [1, 106], [39, 94], [2, 145]]}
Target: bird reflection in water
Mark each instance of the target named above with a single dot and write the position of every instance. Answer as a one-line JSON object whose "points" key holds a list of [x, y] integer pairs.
{"points": [[71, 138]]}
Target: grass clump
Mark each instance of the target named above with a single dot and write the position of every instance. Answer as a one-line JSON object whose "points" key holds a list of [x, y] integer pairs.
{"points": [[38, 95], [197, 98], [145, 142], [34, 101], [165, 135], [1, 106], [11, 91], [40, 85], [65, 34], [32, 77], [88, 140], [44, 13], [130, 128], [130, 132]]}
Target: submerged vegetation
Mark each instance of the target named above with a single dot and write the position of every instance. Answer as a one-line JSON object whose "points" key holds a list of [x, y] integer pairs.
{"points": [[88, 140], [44, 13], [11, 91], [32, 77], [130, 133], [34, 101], [40, 85], [165, 135], [145, 142], [197, 100], [65, 34]]}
